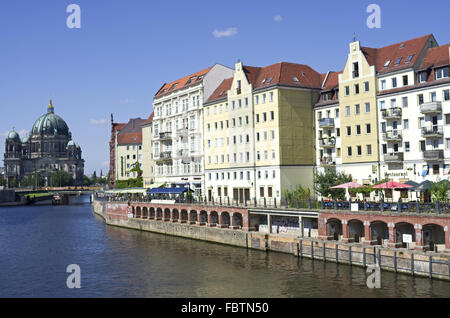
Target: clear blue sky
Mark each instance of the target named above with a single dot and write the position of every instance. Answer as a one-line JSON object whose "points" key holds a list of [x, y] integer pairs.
{"points": [[125, 51]]}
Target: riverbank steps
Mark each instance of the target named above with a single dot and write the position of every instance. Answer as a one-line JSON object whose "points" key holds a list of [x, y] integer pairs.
{"points": [[432, 265]]}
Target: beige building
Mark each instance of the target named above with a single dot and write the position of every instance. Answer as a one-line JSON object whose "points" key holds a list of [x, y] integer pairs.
{"points": [[257, 126], [147, 153]]}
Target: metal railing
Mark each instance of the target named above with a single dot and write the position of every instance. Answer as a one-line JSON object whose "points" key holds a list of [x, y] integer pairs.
{"points": [[310, 204]]}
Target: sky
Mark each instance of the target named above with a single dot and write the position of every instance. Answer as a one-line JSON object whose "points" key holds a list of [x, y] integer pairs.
{"points": [[124, 51]]}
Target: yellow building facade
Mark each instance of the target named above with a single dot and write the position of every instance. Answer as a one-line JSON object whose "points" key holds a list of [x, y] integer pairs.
{"points": [[258, 134], [358, 120]]}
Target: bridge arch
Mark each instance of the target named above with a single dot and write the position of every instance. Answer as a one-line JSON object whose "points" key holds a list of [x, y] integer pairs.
{"points": [[138, 212], [404, 228], [433, 234], [166, 214], [145, 212], [175, 215], [355, 230], [213, 218], [152, 213], [225, 218], [379, 231], [237, 220]]}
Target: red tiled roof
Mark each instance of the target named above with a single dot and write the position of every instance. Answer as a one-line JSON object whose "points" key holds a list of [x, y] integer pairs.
{"points": [[182, 83], [222, 91], [332, 81], [150, 119], [282, 73], [131, 133], [378, 57], [132, 138], [436, 57]]}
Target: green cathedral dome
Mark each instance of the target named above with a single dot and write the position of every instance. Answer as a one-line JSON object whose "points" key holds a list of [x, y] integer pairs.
{"points": [[50, 124], [13, 136]]}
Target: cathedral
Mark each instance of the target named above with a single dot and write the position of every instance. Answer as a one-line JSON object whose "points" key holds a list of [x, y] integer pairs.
{"points": [[48, 148]]}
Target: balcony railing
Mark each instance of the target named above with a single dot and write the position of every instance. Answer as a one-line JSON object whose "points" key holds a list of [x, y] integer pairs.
{"points": [[326, 123], [433, 155], [327, 161], [392, 136], [431, 108], [394, 157], [182, 132], [166, 155], [433, 131], [165, 136], [327, 143], [392, 113]]}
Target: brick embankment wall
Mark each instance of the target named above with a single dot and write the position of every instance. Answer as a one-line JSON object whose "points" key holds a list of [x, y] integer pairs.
{"points": [[397, 260]]}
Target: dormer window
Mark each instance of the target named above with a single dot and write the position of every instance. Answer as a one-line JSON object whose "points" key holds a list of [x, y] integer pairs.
{"points": [[263, 81], [441, 72], [422, 77], [387, 63], [402, 46], [397, 62], [270, 80], [295, 79], [190, 80], [409, 58]]}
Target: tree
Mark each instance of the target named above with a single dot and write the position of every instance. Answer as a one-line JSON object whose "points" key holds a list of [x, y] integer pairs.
{"points": [[440, 191], [61, 179], [330, 178], [86, 181], [298, 194]]}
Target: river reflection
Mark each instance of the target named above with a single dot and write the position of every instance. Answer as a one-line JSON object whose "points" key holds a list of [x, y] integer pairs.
{"points": [[37, 244]]}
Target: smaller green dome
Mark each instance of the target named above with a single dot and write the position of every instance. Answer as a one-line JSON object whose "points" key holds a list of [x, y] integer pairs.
{"points": [[71, 144], [13, 136]]}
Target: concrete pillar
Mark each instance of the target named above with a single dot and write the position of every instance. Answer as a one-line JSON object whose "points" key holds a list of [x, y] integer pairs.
{"points": [[419, 237], [393, 237], [447, 237], [300, 226]]}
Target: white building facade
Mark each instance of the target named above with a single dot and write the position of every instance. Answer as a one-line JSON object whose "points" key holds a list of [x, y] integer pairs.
{"points": [[178, 128]]}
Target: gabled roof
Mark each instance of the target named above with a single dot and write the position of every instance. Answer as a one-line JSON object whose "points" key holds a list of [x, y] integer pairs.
{"points": [[411, 48], [131, 133], [436, 57], [332, 81], [150, 119], [184, 82], [283, 73]]}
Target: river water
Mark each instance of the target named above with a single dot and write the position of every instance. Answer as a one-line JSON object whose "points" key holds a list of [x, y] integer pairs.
{"points": [[38, 243]]}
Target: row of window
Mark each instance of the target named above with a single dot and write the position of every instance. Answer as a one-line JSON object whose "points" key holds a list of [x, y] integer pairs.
{"points": [[234, 157], [178, 168], [183, 106], [239, 175], [356, 89], [219, 142]]}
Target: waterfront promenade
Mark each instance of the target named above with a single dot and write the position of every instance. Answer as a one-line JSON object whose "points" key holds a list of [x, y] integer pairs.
{"points": [[234, 226]]}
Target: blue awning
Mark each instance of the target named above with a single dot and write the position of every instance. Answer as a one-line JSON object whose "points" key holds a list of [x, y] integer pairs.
{"points": [[168, 190]]}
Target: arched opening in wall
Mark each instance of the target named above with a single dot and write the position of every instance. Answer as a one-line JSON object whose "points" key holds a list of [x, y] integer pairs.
{"points": [[166, 214], [184, 216], [433, 236], [138, 212], [334, 228], [225, 218], [159, 213], [404, 228], [193, 216], [203, 217], [356, 230], [152, 213], [175, 215], [133, 211], [379, 231], [237, 220], [145, 213], [213, 218]]}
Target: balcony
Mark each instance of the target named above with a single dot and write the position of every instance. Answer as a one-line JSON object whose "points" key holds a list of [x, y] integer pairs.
{"points": [[392, 136], [327, 162], [433, 131], [433, 155], [392, 113], [327, 142], [394, 157], [326, 123], [165, 136], [182, 132], [183, 153], [432, 108], [163, 156]]}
